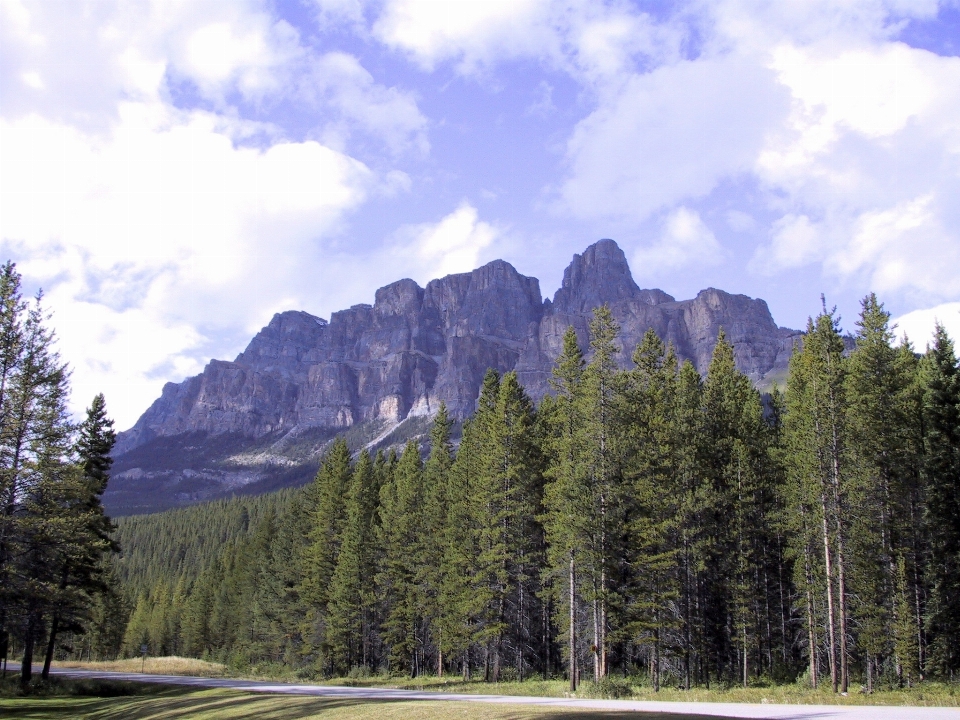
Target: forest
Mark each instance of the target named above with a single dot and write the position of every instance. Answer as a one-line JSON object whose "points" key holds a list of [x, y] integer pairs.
{"points": [[644, 522]]}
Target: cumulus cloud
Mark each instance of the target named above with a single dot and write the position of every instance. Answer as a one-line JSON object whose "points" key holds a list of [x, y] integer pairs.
{"points": [[594, 41], [871, 153], [670, 136], [75, 62], [456, 243], [338, 82], [919, 325], [160, 236], [162, 230], [686, 240]]}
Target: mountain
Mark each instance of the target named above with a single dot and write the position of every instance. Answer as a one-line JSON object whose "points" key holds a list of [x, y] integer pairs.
{"points": [[378, 373]]}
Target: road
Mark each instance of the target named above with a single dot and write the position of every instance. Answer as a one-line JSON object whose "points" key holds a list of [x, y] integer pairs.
{"points": [[720, 710]]}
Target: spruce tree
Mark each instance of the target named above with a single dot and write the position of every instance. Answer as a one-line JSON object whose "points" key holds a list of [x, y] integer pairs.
{"points": [[325, 535], [816, 429], [566, 517], [436, 481], [883, 424], [351, 606], [651, 586], [401, 505], [941, 416]]}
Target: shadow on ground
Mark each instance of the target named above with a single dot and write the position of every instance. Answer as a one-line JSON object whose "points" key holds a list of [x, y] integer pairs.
{"points": [[181, 703]]}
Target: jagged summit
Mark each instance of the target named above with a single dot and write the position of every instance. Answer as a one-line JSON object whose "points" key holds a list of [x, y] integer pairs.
{"points": [[600, 275], [251, 423]]}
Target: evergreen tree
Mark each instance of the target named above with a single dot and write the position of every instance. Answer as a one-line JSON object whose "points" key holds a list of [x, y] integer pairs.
{"points": [[80, 562], [566, 517], [816, 429], [401, 504], [352, 594], [325, 536], [883, 427], [598, 435], [652, 470], [436, 530], [941, 417]]}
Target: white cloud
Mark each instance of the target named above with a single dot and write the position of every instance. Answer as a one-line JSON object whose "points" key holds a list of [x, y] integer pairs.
{"points": [[456, 243], [339, 83], [918, 325], [685, 240], [76, 63], [872, 148], [594, 41], [155, 241], [670, 136], [159, 240], [796, 242], [475, 32]]}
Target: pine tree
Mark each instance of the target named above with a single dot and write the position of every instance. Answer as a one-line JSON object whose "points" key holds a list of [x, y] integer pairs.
{"points": [[603, 472], [653, 473], [883, 424], [436, 531], [352, 593], [506, 498], [566, 501], [325, 536], [80, 562], [941, 418], [401, 504], [816, 428]]}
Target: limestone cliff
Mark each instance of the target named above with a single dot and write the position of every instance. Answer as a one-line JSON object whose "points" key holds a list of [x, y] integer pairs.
{"points": [[260, 421]]}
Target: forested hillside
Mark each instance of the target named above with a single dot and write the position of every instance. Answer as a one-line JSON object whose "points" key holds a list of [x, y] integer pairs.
{"points": [[643, 521]]}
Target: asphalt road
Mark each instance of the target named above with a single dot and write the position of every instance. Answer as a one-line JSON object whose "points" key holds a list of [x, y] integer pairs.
{"points": [[722, 710]]}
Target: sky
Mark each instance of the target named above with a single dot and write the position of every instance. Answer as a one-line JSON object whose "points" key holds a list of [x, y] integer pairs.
{"points": [[173, 173]]}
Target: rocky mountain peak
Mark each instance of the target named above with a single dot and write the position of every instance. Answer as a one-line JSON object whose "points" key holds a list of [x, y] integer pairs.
{"points": [[259, 422], [600, 275]]}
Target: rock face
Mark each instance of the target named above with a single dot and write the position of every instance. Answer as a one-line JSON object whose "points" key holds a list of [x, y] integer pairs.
{"points": [[376, 366]]}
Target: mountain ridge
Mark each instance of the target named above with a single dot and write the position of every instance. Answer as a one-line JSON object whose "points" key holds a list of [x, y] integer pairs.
{"points": [[370, 368]]}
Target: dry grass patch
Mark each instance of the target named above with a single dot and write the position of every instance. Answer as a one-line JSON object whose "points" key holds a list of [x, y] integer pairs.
{"points": [[153, 666]]}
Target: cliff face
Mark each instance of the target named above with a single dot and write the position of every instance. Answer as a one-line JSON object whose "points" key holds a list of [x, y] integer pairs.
{"points": [[303, 379]]}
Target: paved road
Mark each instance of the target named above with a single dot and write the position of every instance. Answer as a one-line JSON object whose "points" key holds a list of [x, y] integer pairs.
{"points": [[721, 710]]}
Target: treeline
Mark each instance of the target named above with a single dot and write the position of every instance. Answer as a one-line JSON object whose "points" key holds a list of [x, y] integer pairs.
{"points": [[638, 521], [53, 531]]}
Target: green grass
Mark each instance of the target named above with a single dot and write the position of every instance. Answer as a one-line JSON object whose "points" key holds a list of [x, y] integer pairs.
{"points": [[926, 694], [63, 700]]}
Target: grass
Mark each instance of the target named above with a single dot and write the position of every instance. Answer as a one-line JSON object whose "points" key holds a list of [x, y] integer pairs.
{"points": [[926, 694], [63, 700], [153, 666]]}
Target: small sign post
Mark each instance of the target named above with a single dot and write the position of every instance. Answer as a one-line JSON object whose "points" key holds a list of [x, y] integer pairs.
{"points": [[143, 660]]}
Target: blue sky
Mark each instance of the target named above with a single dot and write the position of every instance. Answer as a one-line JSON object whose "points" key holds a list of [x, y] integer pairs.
{"points": [[173, 173]]}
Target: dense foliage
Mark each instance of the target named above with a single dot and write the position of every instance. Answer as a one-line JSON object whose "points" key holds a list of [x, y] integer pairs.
{"points": [[53, 531], [638, 521]]}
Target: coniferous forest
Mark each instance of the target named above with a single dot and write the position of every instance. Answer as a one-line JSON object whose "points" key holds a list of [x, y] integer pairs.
{"points": [[646, 521]]}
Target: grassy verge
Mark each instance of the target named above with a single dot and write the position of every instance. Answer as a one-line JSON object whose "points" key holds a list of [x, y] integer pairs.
{"points": [[926, 694], [68, 700], [154, 666]]}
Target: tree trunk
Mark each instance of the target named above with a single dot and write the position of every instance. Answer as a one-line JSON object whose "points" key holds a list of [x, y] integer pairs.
{"points": [[51, 644], [596, 639], [573, 627], [26, 665], [828, 567]]}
